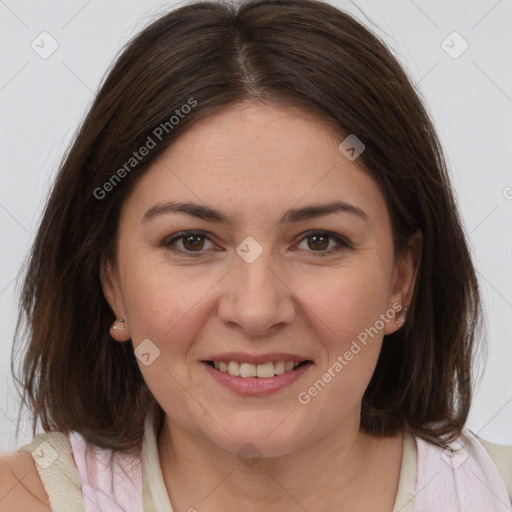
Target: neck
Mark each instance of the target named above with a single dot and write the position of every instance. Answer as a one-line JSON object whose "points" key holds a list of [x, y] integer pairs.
{"points": [[338, 468]]}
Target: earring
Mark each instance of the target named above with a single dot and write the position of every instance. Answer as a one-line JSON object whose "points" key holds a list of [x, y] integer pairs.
{"points": [[119, 331], [115, 326], [400, 318]]}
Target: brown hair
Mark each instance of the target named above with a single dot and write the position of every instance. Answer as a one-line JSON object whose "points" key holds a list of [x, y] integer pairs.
{"points": [[302, 53]]}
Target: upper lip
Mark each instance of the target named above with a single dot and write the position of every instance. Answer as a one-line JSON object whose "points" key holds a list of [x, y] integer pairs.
{"points": [[243, 357]]}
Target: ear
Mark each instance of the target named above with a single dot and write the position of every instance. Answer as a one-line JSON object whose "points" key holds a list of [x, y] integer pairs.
{"points": [[110, 286], [403, 279]]}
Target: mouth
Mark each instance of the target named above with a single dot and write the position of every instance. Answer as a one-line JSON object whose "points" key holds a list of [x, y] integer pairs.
{"points": [[253, 380], [258, 371]]}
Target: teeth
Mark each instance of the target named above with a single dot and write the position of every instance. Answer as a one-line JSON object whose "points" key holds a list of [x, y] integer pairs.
{"points": [[248, 370], [233, 368], [263, 371], [279, 367]]}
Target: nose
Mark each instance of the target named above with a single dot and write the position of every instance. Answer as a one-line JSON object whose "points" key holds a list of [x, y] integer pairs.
{"points": [[256, 298]]}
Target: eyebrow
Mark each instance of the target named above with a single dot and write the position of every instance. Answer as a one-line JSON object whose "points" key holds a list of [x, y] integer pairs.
{"points": [[291, 216]]}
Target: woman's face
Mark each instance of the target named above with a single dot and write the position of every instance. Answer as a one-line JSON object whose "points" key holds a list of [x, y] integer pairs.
{"points": [[253, 279]]}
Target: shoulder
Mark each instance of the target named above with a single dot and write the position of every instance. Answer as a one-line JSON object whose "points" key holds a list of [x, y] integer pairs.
{"points": [[40, 476], [20, 485]]}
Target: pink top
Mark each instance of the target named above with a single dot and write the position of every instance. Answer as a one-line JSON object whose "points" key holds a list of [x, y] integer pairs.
{"points": [[109, 483], [463, 480]]}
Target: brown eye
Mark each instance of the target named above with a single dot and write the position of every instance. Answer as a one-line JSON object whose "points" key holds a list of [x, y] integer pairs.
{"points": [[318, 241], [191, 242]]}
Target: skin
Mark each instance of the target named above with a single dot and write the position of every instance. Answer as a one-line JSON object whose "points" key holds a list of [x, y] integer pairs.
{"points": [[253, 162]]}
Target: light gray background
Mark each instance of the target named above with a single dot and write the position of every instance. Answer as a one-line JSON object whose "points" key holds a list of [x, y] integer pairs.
{"points": [[42, 102]]}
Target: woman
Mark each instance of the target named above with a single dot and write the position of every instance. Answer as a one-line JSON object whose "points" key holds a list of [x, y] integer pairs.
{"points": [[251, 271]]}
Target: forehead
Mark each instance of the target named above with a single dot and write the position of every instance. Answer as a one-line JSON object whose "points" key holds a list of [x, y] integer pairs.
{"points": [[259, 159]]}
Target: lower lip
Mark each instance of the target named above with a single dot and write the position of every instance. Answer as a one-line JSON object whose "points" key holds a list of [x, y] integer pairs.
{"points": [[255, 386]]}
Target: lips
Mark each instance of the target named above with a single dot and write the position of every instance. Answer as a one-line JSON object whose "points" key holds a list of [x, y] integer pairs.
{"points": [[256, 386], [256, 365], [256, 374]]}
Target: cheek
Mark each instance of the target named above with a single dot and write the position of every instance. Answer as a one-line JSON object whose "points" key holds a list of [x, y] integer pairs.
{"points": [[346, 300], [158, 303], [163, 305], [347, 307]]}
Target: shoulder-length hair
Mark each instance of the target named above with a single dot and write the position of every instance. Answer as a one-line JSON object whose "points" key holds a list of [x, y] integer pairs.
{"points": [[208, 55]]}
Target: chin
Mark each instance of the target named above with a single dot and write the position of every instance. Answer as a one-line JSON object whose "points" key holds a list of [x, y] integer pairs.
{"points": [[258, 443]]}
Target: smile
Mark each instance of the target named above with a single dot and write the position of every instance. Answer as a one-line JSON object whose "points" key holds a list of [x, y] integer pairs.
{"points": [[246, 380], [262, 371]]}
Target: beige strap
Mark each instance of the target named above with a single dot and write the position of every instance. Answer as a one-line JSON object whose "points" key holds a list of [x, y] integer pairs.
{"points": [[156, 498], [56, 467], [147, 497], [407, 484], [501, 454]]}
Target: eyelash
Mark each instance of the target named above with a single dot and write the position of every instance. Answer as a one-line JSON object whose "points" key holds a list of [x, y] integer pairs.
{"points": [[343, 244]]}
